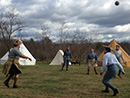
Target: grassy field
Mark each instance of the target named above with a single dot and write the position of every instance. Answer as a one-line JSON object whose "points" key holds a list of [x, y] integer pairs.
{"points": [[45, 81]]}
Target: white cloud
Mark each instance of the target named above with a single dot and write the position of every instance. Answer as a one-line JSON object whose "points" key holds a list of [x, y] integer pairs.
{"points": [[110, 36], [123, 28], [102, 18], [5, 2]]}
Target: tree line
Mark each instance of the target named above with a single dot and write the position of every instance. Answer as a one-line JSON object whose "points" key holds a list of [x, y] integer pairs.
{"points": [[45, 50]]}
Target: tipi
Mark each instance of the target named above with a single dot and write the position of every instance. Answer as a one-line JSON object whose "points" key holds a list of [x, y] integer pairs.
{"points": [[22, 61], [58, 59], [113, 44]]}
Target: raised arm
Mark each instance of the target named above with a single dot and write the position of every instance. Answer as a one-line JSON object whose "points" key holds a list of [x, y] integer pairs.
{"points": [[109, 47]]}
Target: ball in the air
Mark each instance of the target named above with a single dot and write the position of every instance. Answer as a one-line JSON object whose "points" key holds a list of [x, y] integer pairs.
{"points": [[117, 3]]}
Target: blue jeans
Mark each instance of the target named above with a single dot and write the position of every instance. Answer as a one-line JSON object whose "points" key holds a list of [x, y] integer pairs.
{"points": [[111, 71], [66, 61]]}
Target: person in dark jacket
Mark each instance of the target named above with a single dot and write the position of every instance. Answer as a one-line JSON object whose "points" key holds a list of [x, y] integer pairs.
{"points": [[67, 56]]}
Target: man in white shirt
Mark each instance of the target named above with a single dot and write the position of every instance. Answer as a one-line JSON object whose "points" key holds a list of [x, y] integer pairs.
{"points": [[110, 61]]}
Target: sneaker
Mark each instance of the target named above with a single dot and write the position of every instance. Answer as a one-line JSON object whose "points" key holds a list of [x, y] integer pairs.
{"points": [[105, 91], [6, 84], [15, 86], [115, 92]]}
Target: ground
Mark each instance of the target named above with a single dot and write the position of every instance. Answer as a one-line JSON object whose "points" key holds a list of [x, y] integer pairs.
{"points": [[47, 81]]}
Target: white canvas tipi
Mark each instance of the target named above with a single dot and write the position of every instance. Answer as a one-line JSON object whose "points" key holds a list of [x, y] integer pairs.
{"points": [[58, 59], [22, 61]]}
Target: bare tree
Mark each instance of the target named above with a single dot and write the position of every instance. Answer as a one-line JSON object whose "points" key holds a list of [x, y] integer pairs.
{"points": [[61, 29], [46, 32], [45, 42], [9, 24], [92, 36], [80, 36]]}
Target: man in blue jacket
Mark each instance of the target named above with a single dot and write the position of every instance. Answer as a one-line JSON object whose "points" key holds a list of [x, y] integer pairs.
{"points": [[67, 56], [92, 61]]}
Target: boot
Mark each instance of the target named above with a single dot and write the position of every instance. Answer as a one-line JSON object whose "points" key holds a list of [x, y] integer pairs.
{"points": [[88, 71], [115, 92], [95, 71], [15, 82], [106, 90], [16, 86], [6, 83]]}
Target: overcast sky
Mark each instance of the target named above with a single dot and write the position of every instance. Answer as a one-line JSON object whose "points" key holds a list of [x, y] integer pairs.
{"points": [[101, 18]]}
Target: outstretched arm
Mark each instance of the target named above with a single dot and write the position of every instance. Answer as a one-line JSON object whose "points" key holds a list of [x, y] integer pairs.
{"points": [[23, 56], [109, 47]]}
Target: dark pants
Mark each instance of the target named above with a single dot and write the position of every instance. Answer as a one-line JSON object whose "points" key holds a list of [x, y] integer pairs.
{"points": [[111, 71], [66, 61]]}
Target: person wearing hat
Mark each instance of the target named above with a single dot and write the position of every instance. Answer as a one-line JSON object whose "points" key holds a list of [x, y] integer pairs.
{"points": [[67, 56], [11, 69], [110, 61], [91, 61], [119, 56]]}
